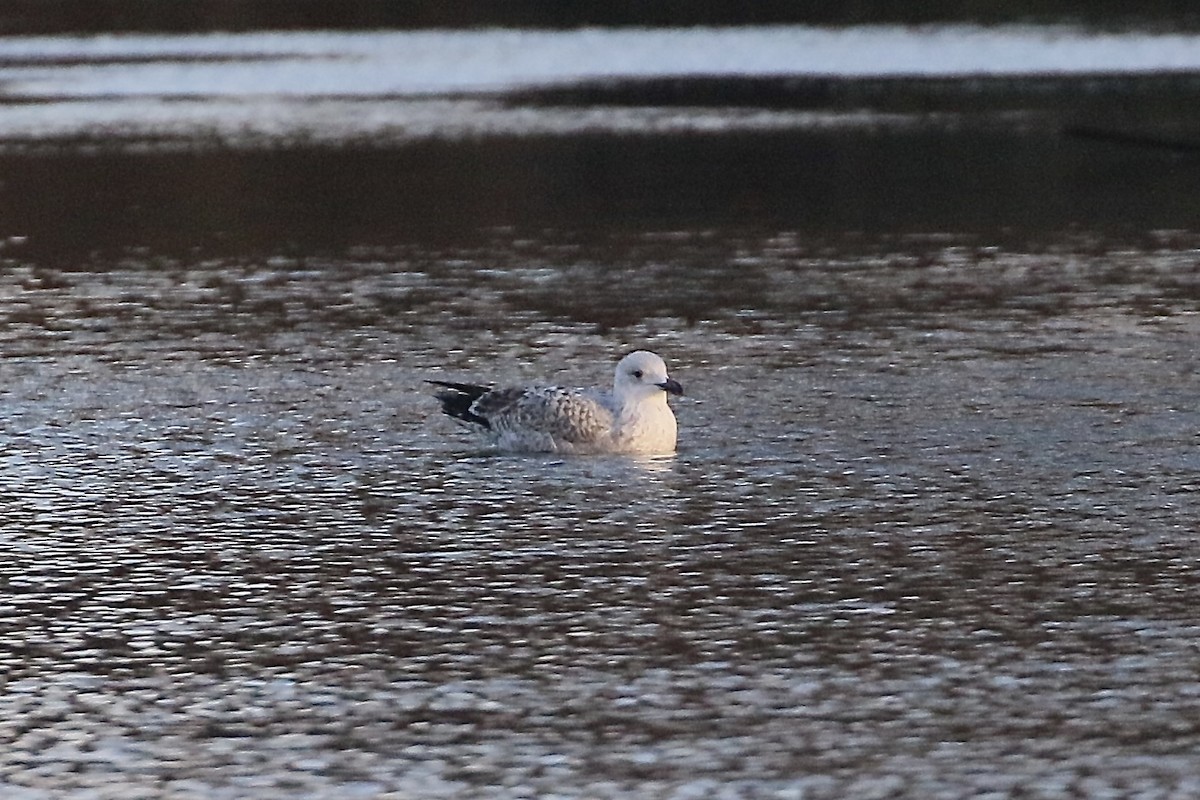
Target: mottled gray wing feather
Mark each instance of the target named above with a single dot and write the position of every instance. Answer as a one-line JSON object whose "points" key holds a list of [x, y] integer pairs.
{"points": [[565, 414]]}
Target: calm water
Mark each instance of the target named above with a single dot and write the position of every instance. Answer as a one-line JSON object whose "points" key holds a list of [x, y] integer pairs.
{"points": [[931, 531]]}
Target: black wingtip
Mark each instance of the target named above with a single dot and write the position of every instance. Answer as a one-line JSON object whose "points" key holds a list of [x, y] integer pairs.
{"points": [[457, 399]]}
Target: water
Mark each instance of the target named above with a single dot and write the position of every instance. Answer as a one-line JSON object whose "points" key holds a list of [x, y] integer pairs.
{"points": [[386, 87], [932, 551], [931, 531]]}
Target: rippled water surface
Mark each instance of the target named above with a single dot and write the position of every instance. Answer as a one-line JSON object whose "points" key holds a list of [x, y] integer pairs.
{"points": [[931, 531]]}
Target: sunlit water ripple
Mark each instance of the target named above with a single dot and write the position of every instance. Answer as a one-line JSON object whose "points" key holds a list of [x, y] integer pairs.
{"points": [[270, 88]]}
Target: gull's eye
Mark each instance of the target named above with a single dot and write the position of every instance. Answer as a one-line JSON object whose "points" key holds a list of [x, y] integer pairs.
{"points": [[637, 373]]}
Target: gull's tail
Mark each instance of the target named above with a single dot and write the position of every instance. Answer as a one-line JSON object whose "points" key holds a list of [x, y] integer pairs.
{"points": [[458, 398]]}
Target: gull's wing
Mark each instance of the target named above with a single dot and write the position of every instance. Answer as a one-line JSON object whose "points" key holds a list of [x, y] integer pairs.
{"points": [[566, 415]]}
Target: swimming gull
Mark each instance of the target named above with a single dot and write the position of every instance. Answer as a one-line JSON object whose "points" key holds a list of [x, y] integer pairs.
{"points": [[633, 418]]}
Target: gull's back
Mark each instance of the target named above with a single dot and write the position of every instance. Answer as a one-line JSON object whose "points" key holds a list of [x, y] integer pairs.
{"points": [[548, 418]]}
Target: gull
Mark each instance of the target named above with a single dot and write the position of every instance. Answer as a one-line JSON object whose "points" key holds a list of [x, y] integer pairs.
{"points": [[633, 418]]}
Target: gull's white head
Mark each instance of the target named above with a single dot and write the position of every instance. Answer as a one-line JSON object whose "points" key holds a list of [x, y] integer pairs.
{"points": [[643, 374]]}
